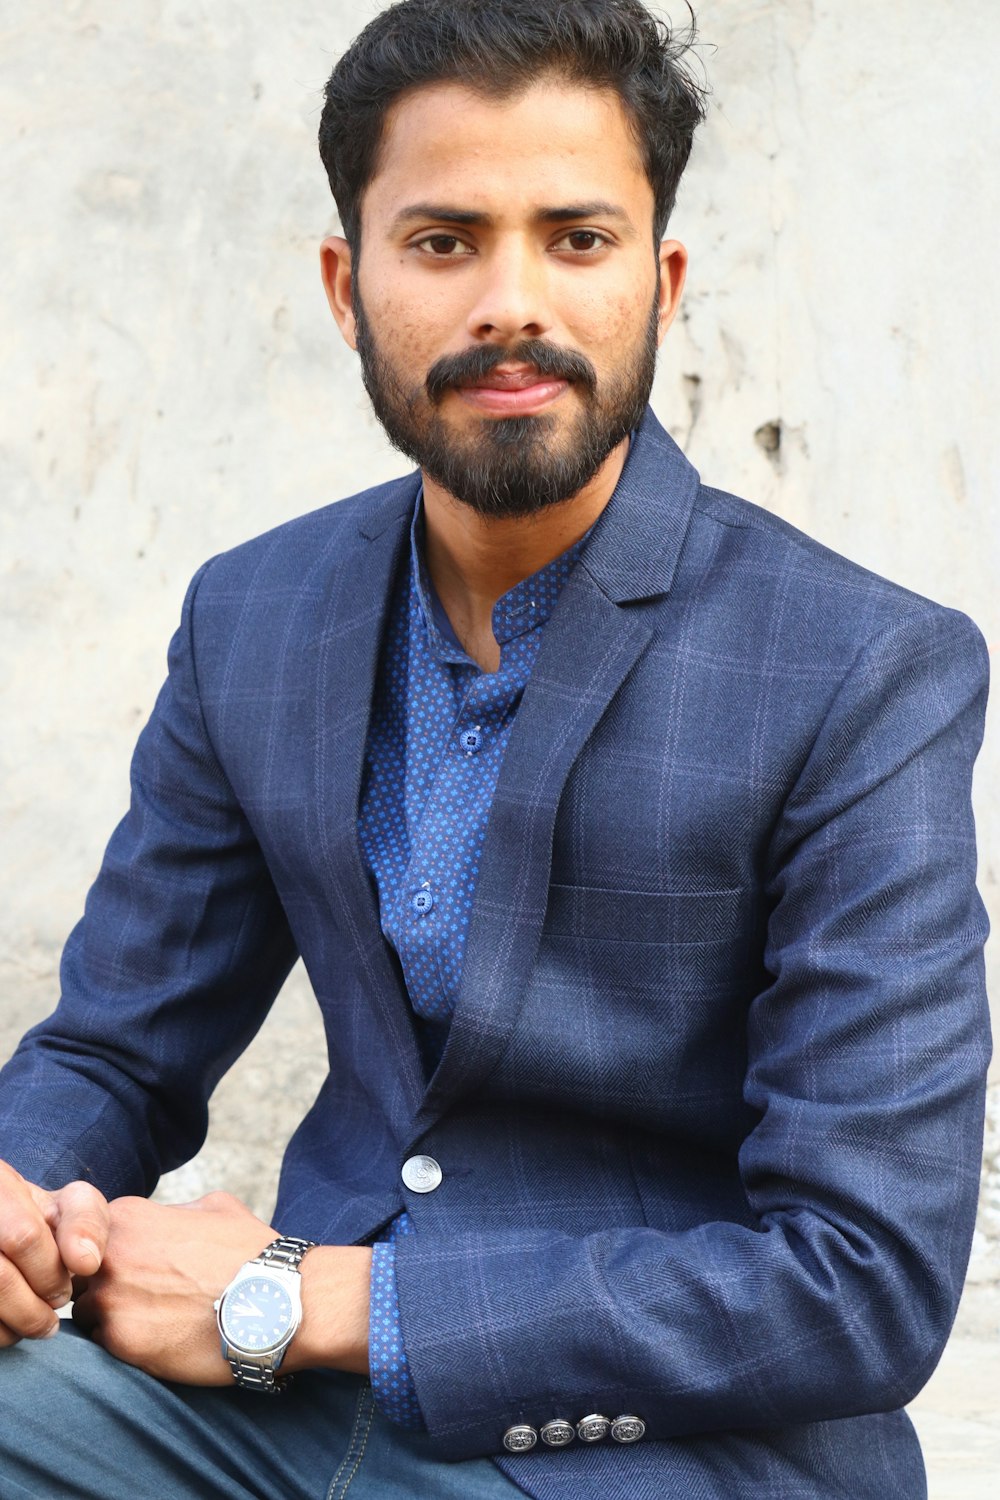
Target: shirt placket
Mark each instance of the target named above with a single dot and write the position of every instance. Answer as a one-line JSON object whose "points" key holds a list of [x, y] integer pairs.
{"points": [[446, 843]]}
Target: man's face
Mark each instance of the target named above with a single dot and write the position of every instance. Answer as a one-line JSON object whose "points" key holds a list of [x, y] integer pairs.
{"points": [[508, 302]]}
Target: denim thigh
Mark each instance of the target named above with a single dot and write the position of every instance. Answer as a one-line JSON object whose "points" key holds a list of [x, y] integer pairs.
{"points": [[79, 1425]]}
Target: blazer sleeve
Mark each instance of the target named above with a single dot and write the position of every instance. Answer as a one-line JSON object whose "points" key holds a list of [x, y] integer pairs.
{"points": [[181, 950], [867, 1060]]}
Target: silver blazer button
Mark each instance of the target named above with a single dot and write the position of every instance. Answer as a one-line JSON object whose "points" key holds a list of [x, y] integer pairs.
{"points": [[627, 1429], [591, 1429], [421, 1174], [557, 1433], [520, 1438]]}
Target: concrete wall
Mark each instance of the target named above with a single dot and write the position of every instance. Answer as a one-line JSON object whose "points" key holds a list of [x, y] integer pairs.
{"points": [[171, 382]]}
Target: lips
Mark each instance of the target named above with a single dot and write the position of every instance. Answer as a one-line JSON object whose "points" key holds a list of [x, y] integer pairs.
{"points": [[514, 401], [519, 378], [519, 391]]}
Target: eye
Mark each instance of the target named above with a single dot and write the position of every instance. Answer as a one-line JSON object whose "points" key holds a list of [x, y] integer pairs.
{"points": [[443, 246], [582, 241]]}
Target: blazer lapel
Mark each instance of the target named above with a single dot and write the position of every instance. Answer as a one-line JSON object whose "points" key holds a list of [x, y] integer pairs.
{"points": [[591, 642], [348, 660]]}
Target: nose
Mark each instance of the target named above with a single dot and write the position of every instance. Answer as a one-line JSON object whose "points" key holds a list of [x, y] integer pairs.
{"points": [[511, 300]]}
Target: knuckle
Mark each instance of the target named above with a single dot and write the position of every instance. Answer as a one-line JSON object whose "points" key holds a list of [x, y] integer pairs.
{"points": [[115, 1341], [72, 1194], [84, 1198], [98, 1303], [218, 1199], [36, 1324], [20, 1236], [125, 1205]]}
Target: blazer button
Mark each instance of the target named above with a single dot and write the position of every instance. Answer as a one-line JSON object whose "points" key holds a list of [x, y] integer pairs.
{"points": [[557, 1433], [519, 1439], [592, 1429], [627, 1429], [421, 1174]]}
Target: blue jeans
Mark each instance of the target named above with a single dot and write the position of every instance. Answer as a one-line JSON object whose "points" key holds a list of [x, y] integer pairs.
{"points": [[76, 1424]]}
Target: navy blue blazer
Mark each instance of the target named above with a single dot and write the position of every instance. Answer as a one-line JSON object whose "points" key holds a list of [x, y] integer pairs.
{"points": [[710, 1110]]}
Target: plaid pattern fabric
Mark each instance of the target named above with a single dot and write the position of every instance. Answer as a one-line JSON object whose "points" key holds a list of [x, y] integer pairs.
{"points": [[710, 1109]]}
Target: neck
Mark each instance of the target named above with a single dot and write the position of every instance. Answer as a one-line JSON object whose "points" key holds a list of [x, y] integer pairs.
{"points": [[473, 559]]}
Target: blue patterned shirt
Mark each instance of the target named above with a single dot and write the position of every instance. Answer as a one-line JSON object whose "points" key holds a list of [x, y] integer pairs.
{"points": [[436, 741]]}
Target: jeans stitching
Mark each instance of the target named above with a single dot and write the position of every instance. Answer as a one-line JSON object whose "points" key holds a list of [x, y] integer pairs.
{"points": [[364, 1444], [350, 1445]]}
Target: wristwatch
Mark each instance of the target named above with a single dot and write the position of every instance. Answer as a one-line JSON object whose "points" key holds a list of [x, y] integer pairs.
{"points": [[259, 1313]]}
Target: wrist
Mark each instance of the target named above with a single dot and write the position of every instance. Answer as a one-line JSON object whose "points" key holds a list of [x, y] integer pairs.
{"points": [[333, 1333]]}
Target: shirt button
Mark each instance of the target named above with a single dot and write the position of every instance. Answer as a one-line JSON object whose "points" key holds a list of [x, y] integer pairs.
{"points": [[471, 740], [423, 902], [421, 1174]]}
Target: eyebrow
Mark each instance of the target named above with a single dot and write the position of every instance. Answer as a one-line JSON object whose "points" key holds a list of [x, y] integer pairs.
{"points": [[441, 213]]}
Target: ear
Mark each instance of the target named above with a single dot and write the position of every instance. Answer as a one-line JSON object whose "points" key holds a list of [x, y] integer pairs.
{"points": [[335, 269], [673, 269]]}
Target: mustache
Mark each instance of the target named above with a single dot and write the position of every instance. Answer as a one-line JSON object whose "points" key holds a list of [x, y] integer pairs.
{"points": [[475, 364]]}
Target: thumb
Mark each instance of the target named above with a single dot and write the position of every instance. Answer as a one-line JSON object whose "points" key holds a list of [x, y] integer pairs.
{"points": [[81, 1227]]}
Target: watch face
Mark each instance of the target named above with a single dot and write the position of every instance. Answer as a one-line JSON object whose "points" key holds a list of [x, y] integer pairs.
{"points": [[256, 1314]]}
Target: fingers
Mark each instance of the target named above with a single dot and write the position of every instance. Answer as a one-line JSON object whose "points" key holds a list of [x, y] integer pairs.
{"points": [[81, 1227], [33, 1279], [24, 1314], [10, 1336], [45, 1202]]}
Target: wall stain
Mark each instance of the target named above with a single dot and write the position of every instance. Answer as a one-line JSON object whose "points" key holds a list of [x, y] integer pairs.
{"points": [[768, 439], [692, 394]]}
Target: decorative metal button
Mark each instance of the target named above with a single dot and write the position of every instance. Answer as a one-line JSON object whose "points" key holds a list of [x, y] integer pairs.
{"points": [[591, 1429], [421, 1174], [627, 1429], [557, 1433], [519, 1439], [423, 902], [471, 740]]}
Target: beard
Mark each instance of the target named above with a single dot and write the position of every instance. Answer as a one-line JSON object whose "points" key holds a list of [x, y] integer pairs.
{"points": [[509, 466]]}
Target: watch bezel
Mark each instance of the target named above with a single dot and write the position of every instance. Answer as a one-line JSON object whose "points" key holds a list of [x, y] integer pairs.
{"points": [[291, 1283]]}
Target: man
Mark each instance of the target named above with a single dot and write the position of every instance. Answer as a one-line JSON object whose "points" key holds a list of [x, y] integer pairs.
{"points": [[625, 834]]}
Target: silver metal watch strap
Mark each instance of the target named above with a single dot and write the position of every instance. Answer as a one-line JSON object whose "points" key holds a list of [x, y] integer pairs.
{"points": [[284, 1253], [255, 1377]]}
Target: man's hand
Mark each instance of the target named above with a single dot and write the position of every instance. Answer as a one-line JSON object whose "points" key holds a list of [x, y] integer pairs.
{"points": [[45, 1238], [151, 1302]]}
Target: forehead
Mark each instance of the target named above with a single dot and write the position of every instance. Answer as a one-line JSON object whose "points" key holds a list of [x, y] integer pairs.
{"points": [[555, 142]]}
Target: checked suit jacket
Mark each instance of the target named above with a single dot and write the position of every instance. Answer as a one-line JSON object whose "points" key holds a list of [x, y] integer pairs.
{"points": [[709, 1115]]}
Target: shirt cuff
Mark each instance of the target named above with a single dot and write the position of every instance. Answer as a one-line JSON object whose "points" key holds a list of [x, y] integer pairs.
{"points": [[392, 1384]]}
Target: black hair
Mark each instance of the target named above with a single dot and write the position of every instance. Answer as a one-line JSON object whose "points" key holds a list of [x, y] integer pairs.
{"points": [[499, 48]]}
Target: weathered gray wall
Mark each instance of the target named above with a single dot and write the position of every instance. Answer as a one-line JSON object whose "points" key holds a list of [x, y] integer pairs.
{"points": [[171, 381]]}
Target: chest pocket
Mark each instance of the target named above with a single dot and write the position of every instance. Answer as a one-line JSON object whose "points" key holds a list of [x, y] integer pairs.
{"points": [[636, 1009], [677, 918]]}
